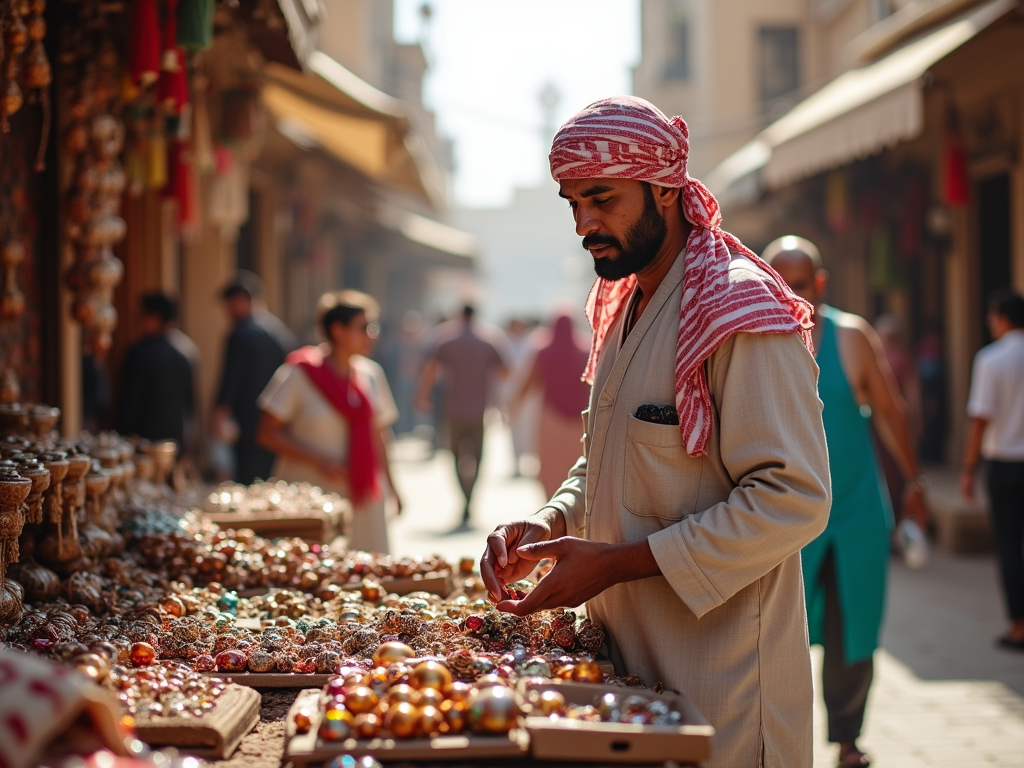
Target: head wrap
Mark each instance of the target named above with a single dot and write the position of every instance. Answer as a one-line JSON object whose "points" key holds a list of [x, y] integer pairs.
{"points": [[629, 138]]}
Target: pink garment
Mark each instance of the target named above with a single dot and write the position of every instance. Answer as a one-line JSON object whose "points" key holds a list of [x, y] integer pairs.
{"points": [[629, 138], [561, 363]]}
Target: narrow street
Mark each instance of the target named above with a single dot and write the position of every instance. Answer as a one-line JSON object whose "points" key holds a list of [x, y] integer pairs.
{"points": [[943, 695]]}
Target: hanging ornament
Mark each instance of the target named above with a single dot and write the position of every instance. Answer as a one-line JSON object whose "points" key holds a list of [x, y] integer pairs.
{"points": [[172, 90], [144, 58], [38, 75], [15, 40], [195, 24], [956, 185]]}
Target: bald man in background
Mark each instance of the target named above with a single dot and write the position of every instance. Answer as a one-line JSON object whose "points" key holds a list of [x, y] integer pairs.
{"points": [[845, 567]]}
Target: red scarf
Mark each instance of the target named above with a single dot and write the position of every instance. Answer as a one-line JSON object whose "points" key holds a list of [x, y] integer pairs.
{"points": [[355, 407]]}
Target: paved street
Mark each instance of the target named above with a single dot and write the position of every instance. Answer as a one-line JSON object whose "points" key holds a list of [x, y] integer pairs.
{"points": [[943, 694]]}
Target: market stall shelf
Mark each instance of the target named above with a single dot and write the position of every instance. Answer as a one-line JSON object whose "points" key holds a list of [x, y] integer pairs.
{"points": [[215, 735], [303, 749], [271, 679], [313, 528], [572, 740]]}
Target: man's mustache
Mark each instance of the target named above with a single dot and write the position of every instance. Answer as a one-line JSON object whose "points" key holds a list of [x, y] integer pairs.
{"points": [[592, 240]]}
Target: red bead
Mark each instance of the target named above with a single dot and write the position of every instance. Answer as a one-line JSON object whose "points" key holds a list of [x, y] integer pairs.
{"points": [[473, 623], [231, 661], [142, 654]]}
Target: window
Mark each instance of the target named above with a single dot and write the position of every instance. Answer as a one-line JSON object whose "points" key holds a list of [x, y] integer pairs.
{"points": [[677, 63], [779, 62]]}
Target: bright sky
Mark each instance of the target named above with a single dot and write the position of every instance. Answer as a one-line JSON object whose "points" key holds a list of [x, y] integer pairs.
{"points": [[490, 60]]}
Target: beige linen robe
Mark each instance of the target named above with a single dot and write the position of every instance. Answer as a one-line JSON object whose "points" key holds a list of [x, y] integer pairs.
{"points": [[725, 623]]}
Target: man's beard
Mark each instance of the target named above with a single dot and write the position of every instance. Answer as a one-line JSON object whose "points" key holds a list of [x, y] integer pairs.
{"points": [[644, 239]]}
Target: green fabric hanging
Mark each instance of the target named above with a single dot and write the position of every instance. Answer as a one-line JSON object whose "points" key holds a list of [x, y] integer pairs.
{"points": [[195, 24]]}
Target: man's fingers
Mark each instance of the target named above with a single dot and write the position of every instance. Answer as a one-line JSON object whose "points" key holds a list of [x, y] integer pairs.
{"points": [[496, 544], [487, 573], [538, 550], [539, 598]]}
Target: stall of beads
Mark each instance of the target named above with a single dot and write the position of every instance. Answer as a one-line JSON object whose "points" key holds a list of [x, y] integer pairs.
{"points": [[279, 509]]}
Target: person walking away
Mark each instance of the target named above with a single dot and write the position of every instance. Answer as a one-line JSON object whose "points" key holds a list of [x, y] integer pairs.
{"points": [[704, 468], [845, 567], [908, 384], [522, 413], [327, 414], [995, 432], [557, 373], [468, 356], [157, 397], [253, 351]]}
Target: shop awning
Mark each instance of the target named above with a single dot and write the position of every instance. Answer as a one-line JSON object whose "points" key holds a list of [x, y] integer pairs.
{"points": [[432, 234], [861, 112], [334, 110]]}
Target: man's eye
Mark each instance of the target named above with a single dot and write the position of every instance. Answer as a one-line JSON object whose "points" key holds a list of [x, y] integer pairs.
{"points": [[600, 201]]}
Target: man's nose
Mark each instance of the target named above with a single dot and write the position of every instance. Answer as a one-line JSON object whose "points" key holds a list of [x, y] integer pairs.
{"points": [[586, 222]]}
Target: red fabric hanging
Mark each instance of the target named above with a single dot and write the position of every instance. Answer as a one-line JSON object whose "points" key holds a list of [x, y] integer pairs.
{"points": [[956, 187], [144, 55], [172, 90], [354, 406]]}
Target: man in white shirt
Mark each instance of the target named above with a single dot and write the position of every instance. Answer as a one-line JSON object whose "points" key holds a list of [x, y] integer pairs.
{"points": [[996, 433]]}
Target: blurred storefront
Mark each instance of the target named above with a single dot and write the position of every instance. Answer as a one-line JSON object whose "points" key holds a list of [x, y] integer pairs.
{"points": [[906, 171]]}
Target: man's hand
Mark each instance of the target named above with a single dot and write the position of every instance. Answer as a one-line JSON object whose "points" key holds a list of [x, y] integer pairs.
{"points": [[967, 484], [914, 505], [501, 563], [582, 570]]}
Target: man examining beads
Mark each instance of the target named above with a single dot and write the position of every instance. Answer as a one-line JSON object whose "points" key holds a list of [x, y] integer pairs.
{"points": [[704, 467]]}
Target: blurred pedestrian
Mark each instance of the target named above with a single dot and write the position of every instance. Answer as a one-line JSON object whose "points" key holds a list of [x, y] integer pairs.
{"points": [[523, 412], [157, 396], [996, 433], [931, 371], [468, 356], [327, 414], [904, 371], [845, 567], [254, 349], [557, 373]]}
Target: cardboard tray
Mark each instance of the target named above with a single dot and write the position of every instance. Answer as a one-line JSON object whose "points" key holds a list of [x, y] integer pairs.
{"points": [[303, 749], [576, 741], [313, 528], [214, 735], [271, 679]]}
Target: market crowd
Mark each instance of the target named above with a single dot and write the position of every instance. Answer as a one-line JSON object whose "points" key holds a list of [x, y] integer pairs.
{"points": [[749, 453]]}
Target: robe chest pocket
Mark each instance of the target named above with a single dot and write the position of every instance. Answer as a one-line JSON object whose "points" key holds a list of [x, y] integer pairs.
{"points": [[659, 479]]}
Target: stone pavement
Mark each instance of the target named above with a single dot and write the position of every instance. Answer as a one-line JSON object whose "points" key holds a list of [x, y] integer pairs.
{"points": [[943, 695]]}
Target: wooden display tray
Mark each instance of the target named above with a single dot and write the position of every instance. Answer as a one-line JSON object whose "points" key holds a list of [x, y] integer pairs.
{"points": [[214, 735], [272, 679], [576, 741], [312, 528], [441, 586], [302, 749]]}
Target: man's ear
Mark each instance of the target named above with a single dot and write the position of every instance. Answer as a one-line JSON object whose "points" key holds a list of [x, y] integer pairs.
{"points": [[665, 197]]}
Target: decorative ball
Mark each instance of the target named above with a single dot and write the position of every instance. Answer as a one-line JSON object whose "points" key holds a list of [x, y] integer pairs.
{"points": [[565, 671], [231, 661], [431, 697], [493, 710], [458, 692], [367, 726], [392, 653], [547, 703], [142, 654], [334, 729], [466, 566], [432, 722], [403, 694], [371, 591], [92, 665], [204, 663], [491, 681], [474, 622], [430, 674], [173, 606], [261, 661], [402, 720], [360, 700], [586, 671], [455, 716], [303, 721], [338, 712]]}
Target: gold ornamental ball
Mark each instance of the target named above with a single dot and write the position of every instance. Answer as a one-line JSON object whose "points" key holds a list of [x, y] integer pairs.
{"points": [[455, 715], [431, 697], [336, 712], [547, 703], [458, 692], [587, 671], [402, 720], [432, 722], [173, 606], [92, 665], [367, 726], [371, 591], [490, 681], [360, 700], [142, 654], [565, 672], [334, 730], [402, 694], [493, 710], [392, 653], [303, 721], [430, 674]]}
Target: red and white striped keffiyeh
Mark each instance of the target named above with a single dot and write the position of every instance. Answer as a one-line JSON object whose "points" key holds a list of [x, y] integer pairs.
{"points": [[629, 138]]}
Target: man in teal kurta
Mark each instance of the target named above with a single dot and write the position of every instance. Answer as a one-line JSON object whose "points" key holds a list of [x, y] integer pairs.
{"points": [[845, 567]]}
